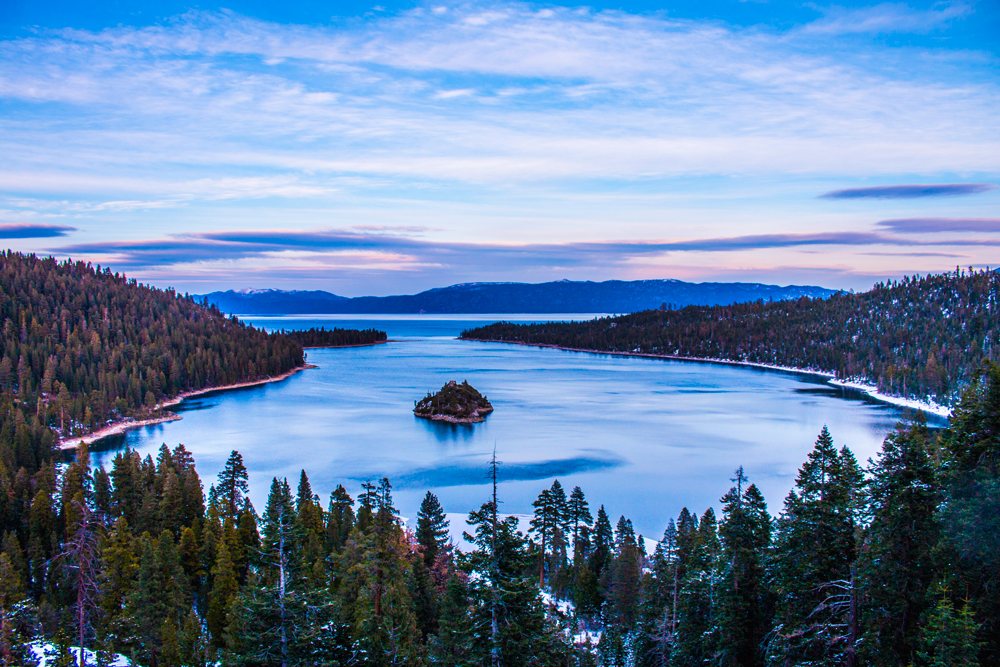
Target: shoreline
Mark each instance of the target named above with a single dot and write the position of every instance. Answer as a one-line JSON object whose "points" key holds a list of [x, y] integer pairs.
{"points": [[123, 425], [337, 347], [865, 387]]}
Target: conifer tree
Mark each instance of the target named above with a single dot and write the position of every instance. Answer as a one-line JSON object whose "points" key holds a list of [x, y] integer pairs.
{"points": [[578, 512], [970, 516], [506, 594], [117, 579], [432, 529], [743, 600], [948, 638], [220, 599], [602, 553], [278, 617], [453, 644], [695, 641], [232, 486], [375, 599], [815, 552], [16, 618], [626, 573], [897, 563], [340, 518]]}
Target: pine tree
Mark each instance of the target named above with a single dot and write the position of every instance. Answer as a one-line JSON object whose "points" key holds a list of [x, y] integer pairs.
{"points": [[626, 573], [312, 528], [897, 563], [815, 552], [601, 555], [279, 618], [578, 512], [949, 636], [220, 599], [696, 609], [375, 599], [432, 529], [743, 600], [233, 485], [970, 516], [453, 644], [340, 518], [507, 598], [81, 555], [117, 578], [16, 617]]}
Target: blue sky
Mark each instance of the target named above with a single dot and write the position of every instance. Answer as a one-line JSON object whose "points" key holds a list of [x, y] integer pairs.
{"points": [[394, 147]]}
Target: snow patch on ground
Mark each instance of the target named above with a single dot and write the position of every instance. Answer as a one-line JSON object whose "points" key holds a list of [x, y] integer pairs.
{"points": [[457, 525], [872, 390], [46, 654]]}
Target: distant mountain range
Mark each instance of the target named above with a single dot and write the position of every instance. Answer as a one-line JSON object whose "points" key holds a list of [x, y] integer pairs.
{"points": [[564, 296]]}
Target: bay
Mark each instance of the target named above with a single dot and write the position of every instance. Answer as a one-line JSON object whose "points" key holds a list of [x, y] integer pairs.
{"points": [[642, 436]]}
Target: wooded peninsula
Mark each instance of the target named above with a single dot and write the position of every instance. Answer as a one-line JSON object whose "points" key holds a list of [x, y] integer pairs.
{"points": [[921, 337]]}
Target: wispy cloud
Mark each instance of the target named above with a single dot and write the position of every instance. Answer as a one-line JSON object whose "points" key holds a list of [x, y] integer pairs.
{"points": [[395, 252], [27, 230], [885, 18], [910, 191], [935, 225], [495, 125]]}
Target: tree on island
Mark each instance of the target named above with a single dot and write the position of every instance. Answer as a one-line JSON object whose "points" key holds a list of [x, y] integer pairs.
{"points": [[455, 403]]}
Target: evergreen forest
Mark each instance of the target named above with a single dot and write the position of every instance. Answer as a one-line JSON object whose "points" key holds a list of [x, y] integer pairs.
{"points": [[895, 562], [83, 347], [920, 337], [335, 337]]}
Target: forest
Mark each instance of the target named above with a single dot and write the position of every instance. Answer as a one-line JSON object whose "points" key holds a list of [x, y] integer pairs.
{"points": [[896, 563], [919, 337], [83, 347], [335, 337]]}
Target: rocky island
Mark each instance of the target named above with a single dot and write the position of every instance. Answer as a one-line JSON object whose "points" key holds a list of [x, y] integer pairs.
{"points": [[455, 403]]}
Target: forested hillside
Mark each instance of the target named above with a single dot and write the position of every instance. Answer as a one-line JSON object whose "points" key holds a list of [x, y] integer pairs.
{"points": [[82, 346], [893, 565], [920, 337]]}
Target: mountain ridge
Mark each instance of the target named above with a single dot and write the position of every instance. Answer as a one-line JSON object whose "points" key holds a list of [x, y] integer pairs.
{"points": [[562, 296]]}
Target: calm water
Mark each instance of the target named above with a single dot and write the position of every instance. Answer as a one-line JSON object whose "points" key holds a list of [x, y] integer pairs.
{"points": [[642, 436]]}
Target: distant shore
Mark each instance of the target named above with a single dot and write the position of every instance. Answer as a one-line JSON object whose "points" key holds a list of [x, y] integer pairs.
{"points": [[334, 347], [865, 387], [127, 424]]}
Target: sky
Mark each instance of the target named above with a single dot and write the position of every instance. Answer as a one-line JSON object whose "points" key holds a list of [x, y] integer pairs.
{"points": [[388, 148]]}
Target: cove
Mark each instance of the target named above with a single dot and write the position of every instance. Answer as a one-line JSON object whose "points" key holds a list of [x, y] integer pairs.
{"points": [[642, 436]]}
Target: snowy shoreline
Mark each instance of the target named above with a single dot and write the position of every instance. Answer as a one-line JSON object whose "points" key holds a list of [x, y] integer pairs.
{"points": [[865, 387], [124, 425]]}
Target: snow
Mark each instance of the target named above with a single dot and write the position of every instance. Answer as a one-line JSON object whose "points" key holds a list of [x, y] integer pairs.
{"points": [[872, 390], [866, 387], [46, 654]]}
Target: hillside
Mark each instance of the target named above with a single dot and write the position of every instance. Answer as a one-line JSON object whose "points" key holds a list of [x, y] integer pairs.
{"points": [[917, 338], [82, 346], [564, 296]]}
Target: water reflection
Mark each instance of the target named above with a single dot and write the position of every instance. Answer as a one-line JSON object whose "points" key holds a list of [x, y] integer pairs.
{"points": [[642, 436]]}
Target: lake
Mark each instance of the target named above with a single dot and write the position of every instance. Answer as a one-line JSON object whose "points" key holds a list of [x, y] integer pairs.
{"points": [[642, 436]]}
